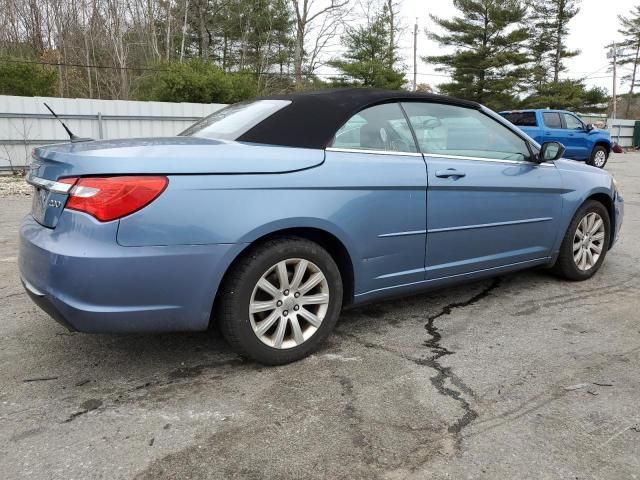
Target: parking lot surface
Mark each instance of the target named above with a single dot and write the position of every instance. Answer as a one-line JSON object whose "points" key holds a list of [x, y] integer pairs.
{"points": [[523, 376]]}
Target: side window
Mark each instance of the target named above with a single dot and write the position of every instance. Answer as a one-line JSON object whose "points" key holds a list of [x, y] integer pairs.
{"points": [[552, 119], [382, 127], [450, 130], [572, 122], [521, 119]]}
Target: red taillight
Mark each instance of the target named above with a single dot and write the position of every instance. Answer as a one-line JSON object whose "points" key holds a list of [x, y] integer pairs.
{"points": [[109, 198]]}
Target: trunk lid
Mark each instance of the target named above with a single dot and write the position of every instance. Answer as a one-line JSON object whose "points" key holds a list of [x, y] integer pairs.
{"points": [[149, 156]]}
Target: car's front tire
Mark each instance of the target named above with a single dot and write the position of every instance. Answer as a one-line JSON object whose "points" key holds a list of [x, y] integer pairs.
{"points": [[599, 157], [280, 300], [585, 243]]}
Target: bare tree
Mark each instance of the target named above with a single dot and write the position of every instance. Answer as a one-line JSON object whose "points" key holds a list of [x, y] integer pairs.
{"points": [[393, 7], [307, 14], [100, 47]]}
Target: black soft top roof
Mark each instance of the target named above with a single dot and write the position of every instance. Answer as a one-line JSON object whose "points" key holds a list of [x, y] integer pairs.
{"points": [[313, 118]]}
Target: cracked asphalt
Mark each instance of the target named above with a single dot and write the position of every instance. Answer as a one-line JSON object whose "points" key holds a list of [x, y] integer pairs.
{"points": [[524, 376]]}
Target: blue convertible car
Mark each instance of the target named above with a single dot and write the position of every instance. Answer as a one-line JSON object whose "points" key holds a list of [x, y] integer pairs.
{"points": [[269, 216]]}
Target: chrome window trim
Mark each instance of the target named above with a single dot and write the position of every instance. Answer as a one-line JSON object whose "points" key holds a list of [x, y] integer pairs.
{"points": [[50, 185], [493, 160], [433, 155], [375, 152]]}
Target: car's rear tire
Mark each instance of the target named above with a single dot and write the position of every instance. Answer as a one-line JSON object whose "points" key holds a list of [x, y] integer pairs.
{"points": [[267, 310], [585, 243], [599, 157]]}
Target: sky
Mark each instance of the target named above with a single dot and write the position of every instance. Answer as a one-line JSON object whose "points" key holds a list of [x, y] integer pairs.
{"points": [[595, 26]]}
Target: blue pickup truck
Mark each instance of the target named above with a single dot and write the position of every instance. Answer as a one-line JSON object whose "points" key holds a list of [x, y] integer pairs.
{"points": [[582, 141]]}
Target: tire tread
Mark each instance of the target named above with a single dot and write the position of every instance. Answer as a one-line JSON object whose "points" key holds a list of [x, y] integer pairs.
{"points": [[565, 266], [230, 290]]}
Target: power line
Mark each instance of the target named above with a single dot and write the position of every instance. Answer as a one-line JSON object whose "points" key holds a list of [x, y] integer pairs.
{"points": [[82, 65], [590, 75]]}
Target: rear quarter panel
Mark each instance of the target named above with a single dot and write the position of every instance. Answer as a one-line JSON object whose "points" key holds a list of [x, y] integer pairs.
{"points": [[356, 198]]}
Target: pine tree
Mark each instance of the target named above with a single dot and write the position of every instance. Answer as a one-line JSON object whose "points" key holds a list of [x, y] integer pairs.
{"points": [[488, 64], [631, 33], [370, 60], [540, 44], [549, 30], [568, 95]]}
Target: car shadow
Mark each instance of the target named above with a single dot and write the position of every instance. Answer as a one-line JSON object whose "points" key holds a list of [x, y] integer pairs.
{"points": [[136, 355]]}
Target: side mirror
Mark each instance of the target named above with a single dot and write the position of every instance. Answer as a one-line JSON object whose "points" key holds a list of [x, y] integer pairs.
{"points": [[551, 151], [590, 127]]}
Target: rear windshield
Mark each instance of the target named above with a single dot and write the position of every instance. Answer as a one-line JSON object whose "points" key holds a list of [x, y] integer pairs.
{"points": [[521, 119], [235, 120]]}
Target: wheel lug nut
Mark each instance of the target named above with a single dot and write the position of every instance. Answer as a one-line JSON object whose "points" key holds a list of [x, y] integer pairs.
{"points": [[285, 313], [286, 292], [279, 303], [297, 294], [296, 308]]}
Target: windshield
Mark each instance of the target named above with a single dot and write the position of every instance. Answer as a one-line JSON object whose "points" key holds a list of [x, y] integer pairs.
{"points": [[233, 121]]}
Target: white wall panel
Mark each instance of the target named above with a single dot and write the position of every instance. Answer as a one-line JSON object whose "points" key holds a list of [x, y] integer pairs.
{"points": [[26, 123]]}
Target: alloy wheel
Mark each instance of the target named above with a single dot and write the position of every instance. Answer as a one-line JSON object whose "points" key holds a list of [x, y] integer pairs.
{"points": [[588, 241], [600, 158], [289, 303]]}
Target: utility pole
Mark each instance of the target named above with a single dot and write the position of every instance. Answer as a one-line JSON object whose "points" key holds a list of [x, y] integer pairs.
{"points": [[415, 56], [615, 80], [613, 54]]}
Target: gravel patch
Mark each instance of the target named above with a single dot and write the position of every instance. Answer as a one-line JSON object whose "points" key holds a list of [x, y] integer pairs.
{"points": [[14, 186]]}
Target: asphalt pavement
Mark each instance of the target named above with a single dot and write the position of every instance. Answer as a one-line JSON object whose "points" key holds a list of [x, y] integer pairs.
{"points": [[523, 376]]}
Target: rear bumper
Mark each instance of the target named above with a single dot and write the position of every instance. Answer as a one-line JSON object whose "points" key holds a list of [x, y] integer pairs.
{"points": [[82, 278], [46, 303]]}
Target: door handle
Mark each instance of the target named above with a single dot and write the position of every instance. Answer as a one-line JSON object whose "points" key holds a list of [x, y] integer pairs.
{"points": [[450, 172]]}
